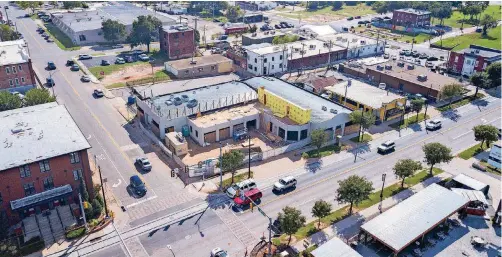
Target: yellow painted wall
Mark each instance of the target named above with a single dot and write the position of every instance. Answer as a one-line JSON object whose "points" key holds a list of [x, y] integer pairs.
{"points": [[280, 106], [225, 67]]}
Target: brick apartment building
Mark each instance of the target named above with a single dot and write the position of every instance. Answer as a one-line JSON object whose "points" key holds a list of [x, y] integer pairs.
{"points": [[42, 162], [177, 41], [473, 59], [411, 17], [16, 71]]}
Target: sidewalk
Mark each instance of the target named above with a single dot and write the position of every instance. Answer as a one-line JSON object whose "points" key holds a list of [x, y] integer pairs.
{"points": [[349, 227]]}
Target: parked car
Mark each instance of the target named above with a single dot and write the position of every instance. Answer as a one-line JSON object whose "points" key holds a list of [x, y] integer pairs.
{"points": [[386, 147], [137, 52], [99, 93], [192, 103], [40, 30], [252, 195], [69, 63], [184, 98], [423, 56], [105, 63], [429, 64], [19, 95], [143, 163], [386, 56], [177, 101], [119, 60], [129, 59], [143, 57], [479, 30], [51, 66], [137, 185], [357, 17], [394, 58], [216, 50], [432, 58], [242, 186], [441, 58], [283, 25], [277, 26], [285, 183], [361, 22], [345, 29], [433, 124], [416, 54], [350, 18], [75, 67], [49, 82], [117, 46], [290, 25], [85, 78], [218, 252], [49, 40], [84, 57]]}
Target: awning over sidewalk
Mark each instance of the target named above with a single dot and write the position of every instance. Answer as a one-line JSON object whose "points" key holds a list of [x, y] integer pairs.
{"points": [[35, 199], [335, 248]]}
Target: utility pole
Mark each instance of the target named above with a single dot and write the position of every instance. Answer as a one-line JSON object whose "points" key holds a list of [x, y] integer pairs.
{"points": [[249, 156], [359, 134], [349, 83], [221, 170], [427, 105], [103, 191], [402, 116], [329, 54], [82, 210], [381, 192], [7, 15], [204, 36]]}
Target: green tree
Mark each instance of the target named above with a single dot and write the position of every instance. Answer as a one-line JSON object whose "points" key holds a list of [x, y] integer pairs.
{"points": [[29, 5], [436, 153], [337, 5], [38, 96], [380, 7], [97, 207], [234, 13], [231, 161], [417, 105], [479, 79], [351, 3], [144, 30], [319, 137], [290, 221], [88, 211], [450, 91], [406, 168], [72, 4], [443, 12], [493, 71], [7, 34], [364, 119], [320, 210], [485, 133], [9, 101], [253, 28], [278, 40], [487, 21], [353, 190], [197, 36], [312, 5], [4, 225], [83, 190], [113, 30]]}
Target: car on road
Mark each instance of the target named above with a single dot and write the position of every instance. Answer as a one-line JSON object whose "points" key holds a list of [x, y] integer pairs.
{"points": [[285, 183], [350, 18], [143, 57], [423, 56], [85, 78], [84, 57], [105, 63], [432, 58], [252, 195], [143, 163], [75, 67], [129, 59], [137, 185], [216, 50], [50, 40], [357, 17], [242, 186], [49, 82], [429, 64], [218, 252], [386, 147], [433, 124], [117, 46], [98, 93], [51, 66], [70, 62], [386, 56], [119, 60]]}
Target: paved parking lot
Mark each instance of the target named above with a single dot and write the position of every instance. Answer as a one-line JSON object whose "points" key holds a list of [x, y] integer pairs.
{"points": [[96, 60]]}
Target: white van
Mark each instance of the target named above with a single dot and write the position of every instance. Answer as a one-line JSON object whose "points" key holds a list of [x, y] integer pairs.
{"points": [[242, 186]]}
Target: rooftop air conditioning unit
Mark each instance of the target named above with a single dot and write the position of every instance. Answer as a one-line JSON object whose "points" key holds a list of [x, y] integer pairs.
{"points": [[388, 67], [422, 77], [379, 67], [324, 108], [253, 35], [312, 47], [411, 66], [333, 111], [338, 38], [400, 64], [272, 32], [266, 32], [477, 51]]}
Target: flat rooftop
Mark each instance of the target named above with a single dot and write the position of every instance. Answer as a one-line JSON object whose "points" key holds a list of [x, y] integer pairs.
{"points": [[469, 182], [349, 40], [409, 220], [264, 34], [299, 97], [183, 64], [413, 11], [335, 247], [176, 28], [364, 93], [209, 98], [311, 47], [320, 30], [36, 133], [123, 12], [481, 51], [224, 116], [13, 52]]}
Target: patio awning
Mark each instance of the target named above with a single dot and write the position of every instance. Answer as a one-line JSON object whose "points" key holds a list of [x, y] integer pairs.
{"points": [[40, 197], [472, 195]]}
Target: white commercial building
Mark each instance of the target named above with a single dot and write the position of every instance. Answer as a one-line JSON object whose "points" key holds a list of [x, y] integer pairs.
{"points": [[495, 156], [265, 58], [315, 31], [357, 46]]}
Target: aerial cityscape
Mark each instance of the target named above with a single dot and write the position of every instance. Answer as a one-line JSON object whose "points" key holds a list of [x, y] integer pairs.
{"points": [[250, 128]]}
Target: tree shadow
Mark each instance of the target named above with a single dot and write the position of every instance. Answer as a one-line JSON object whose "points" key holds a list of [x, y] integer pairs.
{"points": [[313, 165], [451, 114]]}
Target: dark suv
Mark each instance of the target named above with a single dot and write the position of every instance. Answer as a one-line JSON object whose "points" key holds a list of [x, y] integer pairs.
{"points": [[137, 186]]}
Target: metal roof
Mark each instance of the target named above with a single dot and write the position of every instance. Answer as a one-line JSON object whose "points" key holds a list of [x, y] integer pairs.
{"points": [[364, 93], [413, 11], [320, 30], [470, 182], [335, 248], [299, 97], [42, 196], [37, 133], [481, 51], [407, 221], [472, 195]]}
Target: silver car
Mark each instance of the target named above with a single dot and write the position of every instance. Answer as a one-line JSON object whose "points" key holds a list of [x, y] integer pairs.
{"points": [[433, 124], [285, 183], [144, 163]]}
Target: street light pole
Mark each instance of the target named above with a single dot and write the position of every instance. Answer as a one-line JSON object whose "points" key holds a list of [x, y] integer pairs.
{"points": [[381, 192], [249, 156], [359, 134], [221, 170], [103, 191]]}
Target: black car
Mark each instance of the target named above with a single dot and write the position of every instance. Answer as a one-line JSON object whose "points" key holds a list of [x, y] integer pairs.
{"points": [[432, 58], [70, 62], [129, 59], [277, 26], [357, 17], [105, 63], [137, 186], [49, 82]]}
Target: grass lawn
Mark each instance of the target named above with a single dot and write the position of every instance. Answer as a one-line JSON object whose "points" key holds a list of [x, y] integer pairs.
{"points": [[470, 152], [374, 198], [455, 21], [61, 39], [96, 70], [365, 138], [345, 11], [116, 85], [492, 40], [396, 35], [161, 74], [324, 151], [419, 38], [237, 178], [408, 121], [459, 103]]}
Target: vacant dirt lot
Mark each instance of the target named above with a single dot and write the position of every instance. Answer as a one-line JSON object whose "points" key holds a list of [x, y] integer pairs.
{"points": [[130, 73]]}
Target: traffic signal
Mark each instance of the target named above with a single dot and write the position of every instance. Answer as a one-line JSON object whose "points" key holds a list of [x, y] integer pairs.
{"points": [[251, 205], [172, 174]]}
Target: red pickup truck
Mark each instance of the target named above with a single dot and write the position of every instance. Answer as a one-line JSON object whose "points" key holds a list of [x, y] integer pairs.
{"points": [[253, 194]]}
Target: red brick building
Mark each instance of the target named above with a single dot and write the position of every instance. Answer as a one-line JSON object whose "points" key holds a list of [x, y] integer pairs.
{"points": [[177, 41], [16, 71], [42, 162], [410, 17], [473, 59]]}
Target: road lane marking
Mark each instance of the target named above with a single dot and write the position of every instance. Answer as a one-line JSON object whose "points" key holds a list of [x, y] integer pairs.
{"points": [[141, 201], [29, 32], [370, 162], [463, 134], [118, 183]]}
